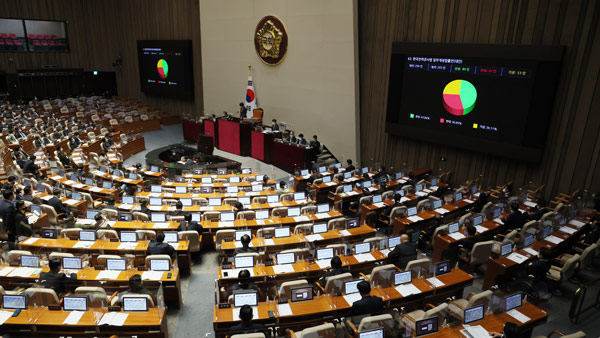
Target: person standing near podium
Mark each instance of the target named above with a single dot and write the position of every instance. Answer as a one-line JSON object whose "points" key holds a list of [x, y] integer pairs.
{"points": [[243, 110]]}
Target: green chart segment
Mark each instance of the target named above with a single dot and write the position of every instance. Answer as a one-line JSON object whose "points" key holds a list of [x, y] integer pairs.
{"points": [[163, 68], [459, 97]]}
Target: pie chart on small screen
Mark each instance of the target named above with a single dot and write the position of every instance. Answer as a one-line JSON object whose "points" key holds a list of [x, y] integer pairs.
{"points": [[459, 97], [163, 68]]}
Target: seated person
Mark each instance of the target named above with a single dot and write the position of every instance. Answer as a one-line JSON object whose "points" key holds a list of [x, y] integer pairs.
{"points": [[349, 166], [516, 219], [246, 326], [471, 239], [157, 247], [368, 304], [57, 204], [9, 184], [511, 330], [291, 138], [245, 246], [243, 283], [274, 125], [403, 252], [144, 207], [301, 140], [315, 143], [54, 279], [110, 203], [593, 236], [540, 267], [178, 209], [187, 224], [135, 287], [480, 203], [336, 269], [22, 222]]}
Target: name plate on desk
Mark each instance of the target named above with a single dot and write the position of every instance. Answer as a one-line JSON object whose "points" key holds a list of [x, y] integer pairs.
{"points": [[224, 306]]}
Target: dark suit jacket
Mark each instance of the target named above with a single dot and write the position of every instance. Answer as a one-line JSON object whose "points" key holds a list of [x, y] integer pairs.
{"points": [[246, 328], [515, 220], [331, 272], [350, 168], [315, 144], [8, 213], [366, 305], [244, 250], [292, 139], [193, 225], [403, 253], [30, 167], [538, 268], [155, 248], [302, 141], [469, 242], [22, 225], [58, 206], [54, 280]]}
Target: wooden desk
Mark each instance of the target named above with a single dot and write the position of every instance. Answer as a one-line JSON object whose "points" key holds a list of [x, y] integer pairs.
{"points": [[198, 208], [271, 222], [234, 137], [132, 147], [117, 179], [401, 224], [191, 129], [501, 268], [46, 323], [290, 157], [442, 244], [94, 191]]}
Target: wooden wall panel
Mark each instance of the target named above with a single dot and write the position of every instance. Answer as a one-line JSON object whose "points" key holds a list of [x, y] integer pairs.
{"points": [[101, 30], [571, 159]]}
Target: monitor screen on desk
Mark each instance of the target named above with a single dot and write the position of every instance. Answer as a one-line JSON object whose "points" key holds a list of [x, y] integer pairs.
{"points": [[257, 188], [412, 211], [16, 302], [196, 217], [124, 216], [299, 196], [206, 180], [505, 249], [282, 232], [393, 241], [261, 214], [234, 179], [437, 204], [72, 263], [227, 216], [322, 208], [547, 231], [244, 200], [36, 209], [351, 287], [197, 172], [246, 171], [206, 190], [402, 277], [367, 184], [221, 171], [171, 237], [74, 303], [76, 196], [360, 248], [365, 170], [90, 214], [327, 179], [128, 200], [158, 217], [322, 169], [458, 197], [434, 181], [377, 333], [474, 189], [400, 192], [133, 176], [304, 172], [273, 199], [156, 201], [186, 202], [497, 212], [473, 314], [180, 190], [243, 262], [377, 199], [260, 178], [293, 212], [115, 264], [426, 326], [232, 189], [528, 240], [347, 188], [286, 258], [513, 301], [160, 265], [418, 187], [319, 228], [325, 253], [300, 294], [442, 268], [352, 223], [156, 188], [28, 261], [131, 304], [128, 236], [453, 227], [88, 181], [85, 235], [245, 298], [49, 233], [214, 202], [240, 233], [477, 220], [154, 169]]}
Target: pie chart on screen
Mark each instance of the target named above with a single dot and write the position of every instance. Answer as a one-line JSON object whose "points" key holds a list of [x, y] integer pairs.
{"points": [[163, 68], [459, 97]]}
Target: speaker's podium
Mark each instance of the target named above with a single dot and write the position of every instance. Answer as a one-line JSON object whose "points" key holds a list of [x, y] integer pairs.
{"points": [[234, 136], [205, 144]]}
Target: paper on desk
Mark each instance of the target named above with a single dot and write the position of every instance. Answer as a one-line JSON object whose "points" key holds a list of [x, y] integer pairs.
{"points": [[226, 224], [154, 194], [329, 184], [6, 270], [95, 189], [576, 223], [160, 225], [324, 263], [4, 315], [515, 257], [402, 180], [21, 272], [435, 282], [284, 310], [421, 194], [111, 223], [407, 289], [284, 268], [531, 251], [114, 318], [441, 210], [176, 245], [322, 215], [108, 274], [46, 198], [73, 317], [126, 206], [345, 232], [481, 229], [306, 176], [404, 199], [152, 275], [276, 204], [427, 191], [553, 239], [518, 316], [260, 222], [127, 245], [530, 204], [301, 219], [350, 299], [468, 201], [567, 230], [365, 257], [236, 312], [475, 332], [498, 220], [414, 218], [155, 208], [269, 241], [312, 238], [457, 235], [78, 185], [380, 205], [30, 240], [351, 193], [71, 202], [385, 252], [127, 180], [83, 244]]}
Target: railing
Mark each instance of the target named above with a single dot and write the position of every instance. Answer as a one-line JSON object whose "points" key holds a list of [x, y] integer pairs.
{"points": [[577, 306]]}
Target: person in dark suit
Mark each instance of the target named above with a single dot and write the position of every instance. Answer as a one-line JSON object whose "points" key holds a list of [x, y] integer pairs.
{"points": [[540, 267], [110, 203], [274, 125], [135, 287], [178, 209], [144, 207], [403, 252], [291, 138], [243, 283], [157, 247], [349, 166], [30, 167], [368, 304], [8, 214], [388, 210], [54, 279], [471, 239], [246, 326], [315, 143], [516, 219], [10, 183], [56, 203], [511, 330], [593, 236], [336, 269], [23, 228], [301, 140], [243, 110], [245, 246], [75, 142], [187, 224], [480, 203]]}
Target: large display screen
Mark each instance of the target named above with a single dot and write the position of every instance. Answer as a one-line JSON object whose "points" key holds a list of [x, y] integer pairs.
{"points": [[166, 68], [492, 99]]}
